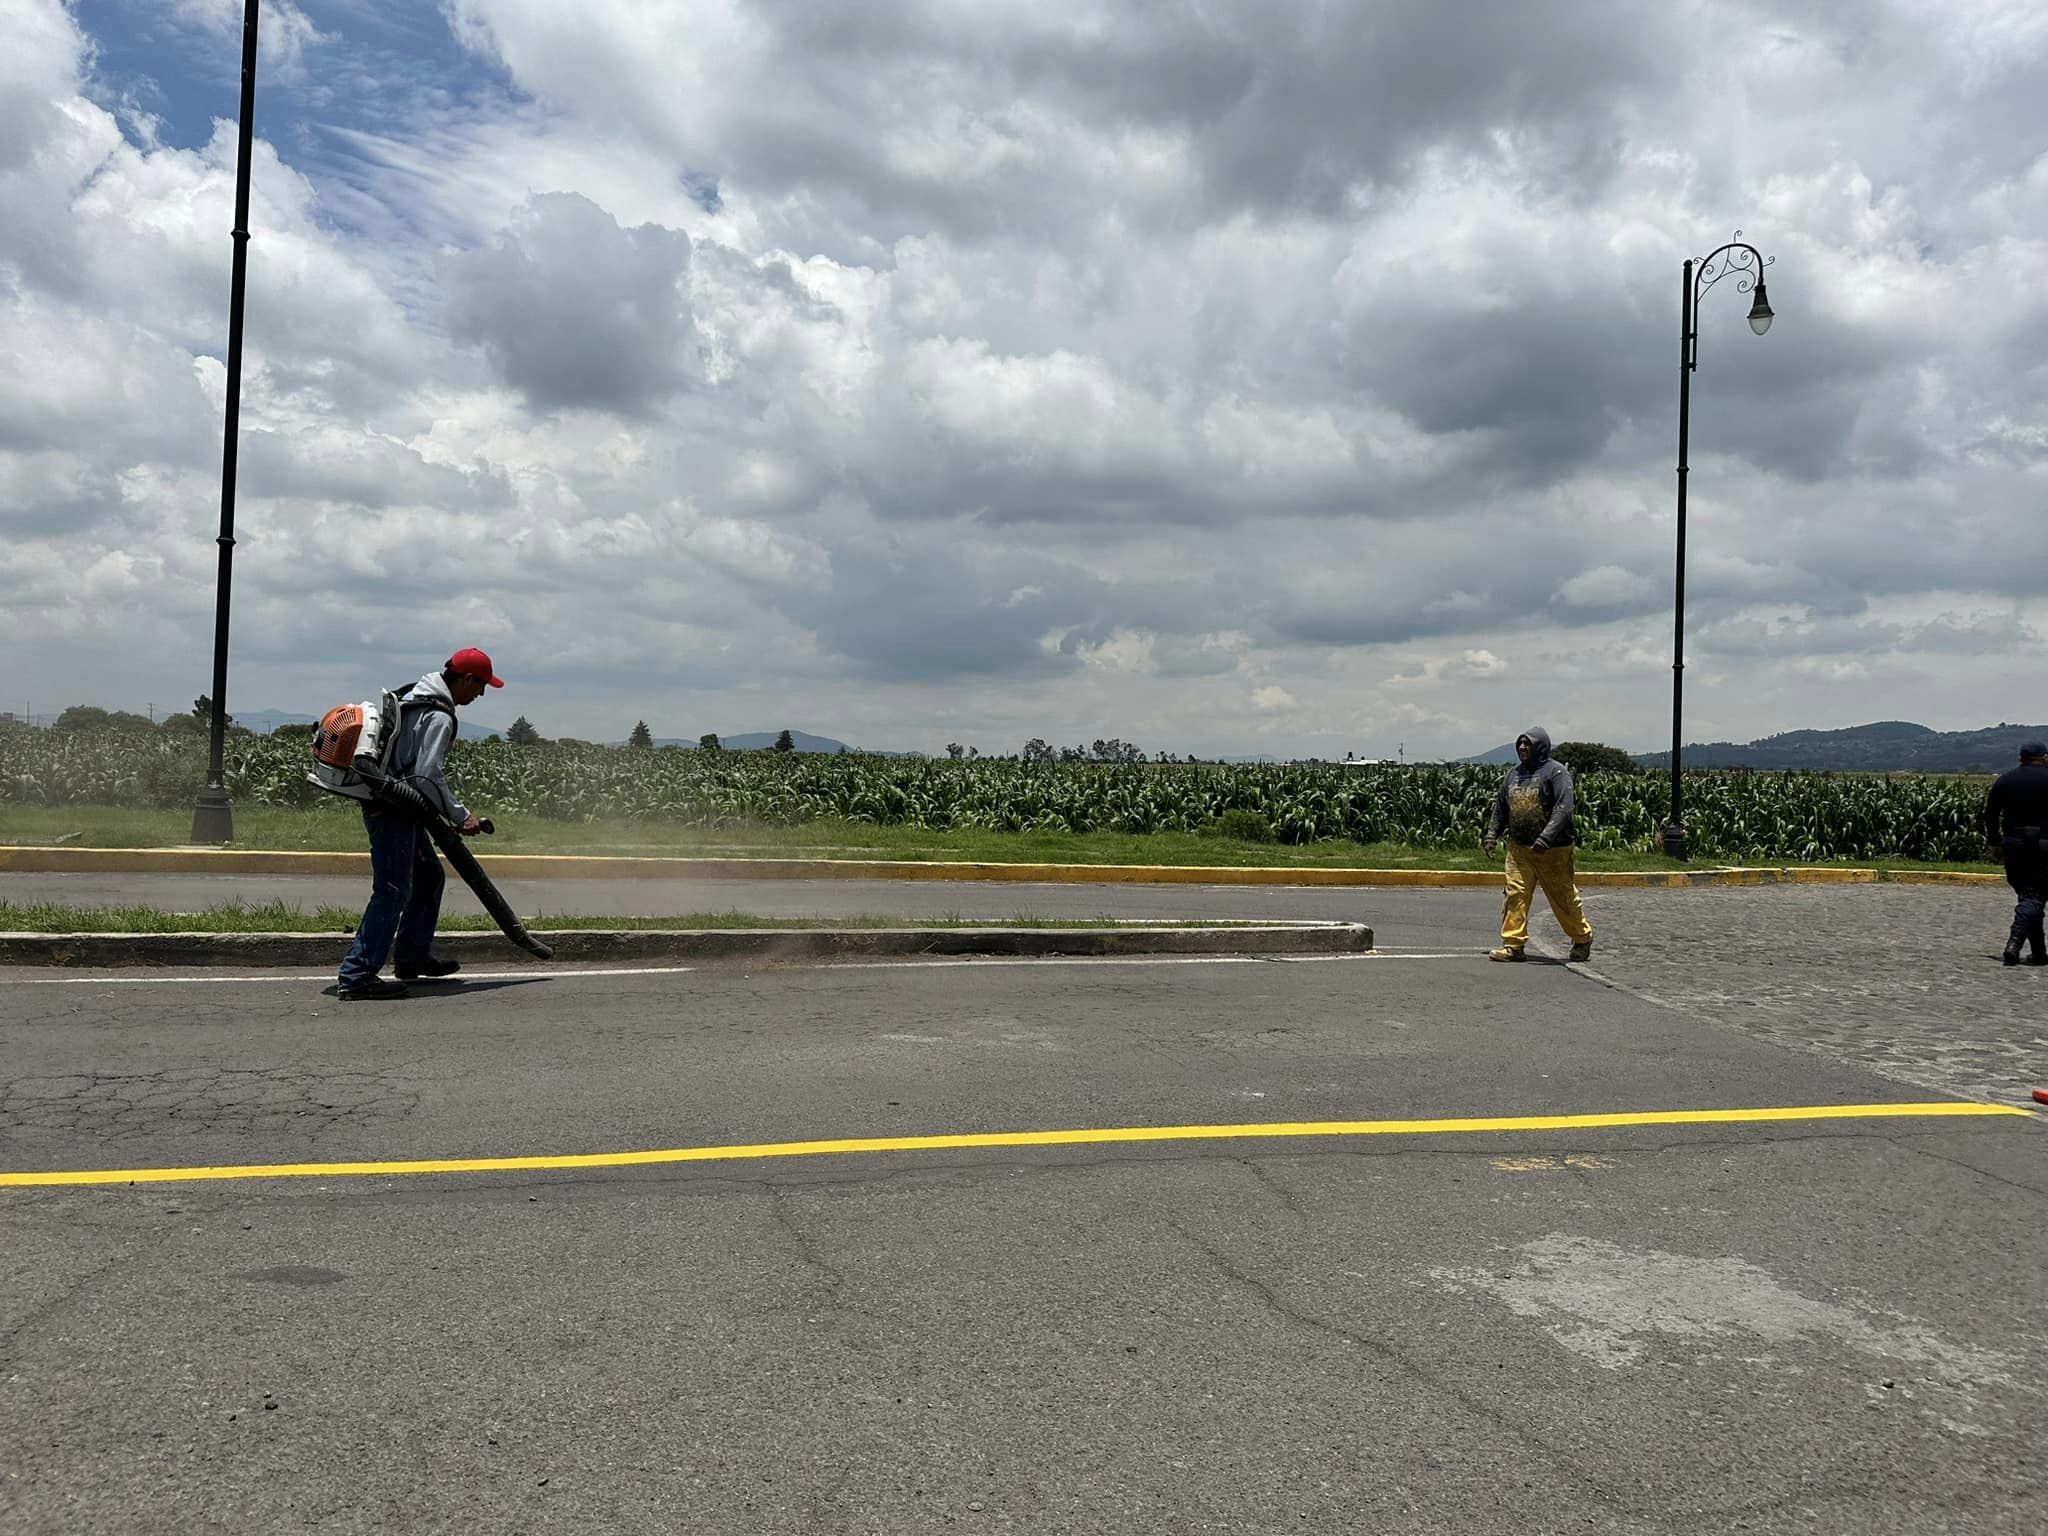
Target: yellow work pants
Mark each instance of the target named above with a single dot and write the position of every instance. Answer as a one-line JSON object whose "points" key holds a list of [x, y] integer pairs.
{"points": [[1550, 868]]}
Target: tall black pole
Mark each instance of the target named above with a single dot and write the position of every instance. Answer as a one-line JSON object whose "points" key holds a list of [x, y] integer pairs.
{"points": [[213, 819], [1674, 829]]}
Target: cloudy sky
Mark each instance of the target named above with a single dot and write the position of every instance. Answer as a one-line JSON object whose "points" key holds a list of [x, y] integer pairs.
{"points": [[1233, 376]]}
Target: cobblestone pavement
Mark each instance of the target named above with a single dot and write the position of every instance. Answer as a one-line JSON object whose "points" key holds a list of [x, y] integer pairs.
{"points": [[1904, 980]]}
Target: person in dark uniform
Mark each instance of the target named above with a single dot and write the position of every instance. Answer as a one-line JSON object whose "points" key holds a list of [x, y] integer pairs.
{"points": [[2016, 825]]}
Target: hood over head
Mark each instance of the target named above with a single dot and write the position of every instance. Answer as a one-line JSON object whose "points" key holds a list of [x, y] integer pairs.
{"points": [[433, 686], [1539, 745]]}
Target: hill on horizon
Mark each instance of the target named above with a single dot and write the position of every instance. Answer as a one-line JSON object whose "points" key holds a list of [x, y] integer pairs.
{"points": [[1883, 746]]}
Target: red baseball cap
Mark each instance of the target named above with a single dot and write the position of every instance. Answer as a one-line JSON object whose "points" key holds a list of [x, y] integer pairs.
{"points": [[474, 663]]}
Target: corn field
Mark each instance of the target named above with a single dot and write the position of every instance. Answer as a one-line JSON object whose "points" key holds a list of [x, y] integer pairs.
{"points": [[1732, 816]]}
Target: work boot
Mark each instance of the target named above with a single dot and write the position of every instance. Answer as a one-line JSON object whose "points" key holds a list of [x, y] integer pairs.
{"points": [[375, 990], [2013, 946], [1504, 953], [429, 969], [1583, 951]]}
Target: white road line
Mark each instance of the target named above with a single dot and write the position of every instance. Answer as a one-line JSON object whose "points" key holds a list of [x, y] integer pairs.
{"points": [[945, 962], [210, 981], [937, 962]]}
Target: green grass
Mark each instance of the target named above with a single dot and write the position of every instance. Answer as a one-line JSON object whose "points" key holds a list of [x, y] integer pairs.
{"points": [[339, 828], [289, 917]]}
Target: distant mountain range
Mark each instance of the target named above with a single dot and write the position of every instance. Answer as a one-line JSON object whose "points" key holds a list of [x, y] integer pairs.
{"points": [[1884, 746], [1499, 757]]}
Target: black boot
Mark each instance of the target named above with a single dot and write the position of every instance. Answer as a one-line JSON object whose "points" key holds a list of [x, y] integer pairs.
{"points": [[375, 990], [2013, 946]]}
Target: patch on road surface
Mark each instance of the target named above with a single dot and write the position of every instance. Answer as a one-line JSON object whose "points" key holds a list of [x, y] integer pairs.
{"points": [[111, 1106], [294, 1274], [1585, 1160], [1610, 1305]]}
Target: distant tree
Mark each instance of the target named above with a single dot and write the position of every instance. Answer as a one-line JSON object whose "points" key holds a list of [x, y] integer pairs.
{"points": [[955, 751], [785, 743], [202, 710], [1116, 750], [522, 734], [1073, 754], [709, 742], [1593, 757], [641, 737], [87, 717], [568, 741], [182, 725], [1036, 751]]}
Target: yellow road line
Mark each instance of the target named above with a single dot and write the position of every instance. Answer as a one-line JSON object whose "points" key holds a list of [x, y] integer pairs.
{"points": [[979, 1139]]}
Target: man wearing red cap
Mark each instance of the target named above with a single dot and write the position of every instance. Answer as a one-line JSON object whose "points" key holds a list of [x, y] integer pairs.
{"points": [[405, 871]]}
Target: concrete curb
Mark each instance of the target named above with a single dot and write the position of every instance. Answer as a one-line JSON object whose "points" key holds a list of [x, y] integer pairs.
{"points": [[98, 950], [559, 866]]}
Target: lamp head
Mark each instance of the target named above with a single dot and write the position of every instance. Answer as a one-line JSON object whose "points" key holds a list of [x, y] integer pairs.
{"points": [[1760, 312]]}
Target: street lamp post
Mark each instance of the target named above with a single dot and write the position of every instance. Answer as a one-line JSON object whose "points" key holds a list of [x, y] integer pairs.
{"points": [[213, 819], [1746, 265]]}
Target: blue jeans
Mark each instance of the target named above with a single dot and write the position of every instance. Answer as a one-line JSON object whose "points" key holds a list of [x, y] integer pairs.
{"points": [[405, 898]]}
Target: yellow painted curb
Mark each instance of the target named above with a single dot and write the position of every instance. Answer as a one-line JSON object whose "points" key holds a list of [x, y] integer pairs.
{"points": [[571, 866]]}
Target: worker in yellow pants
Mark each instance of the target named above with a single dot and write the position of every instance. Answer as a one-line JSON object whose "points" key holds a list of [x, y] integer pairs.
{"points": [[1552, 869], [1533, 812]]}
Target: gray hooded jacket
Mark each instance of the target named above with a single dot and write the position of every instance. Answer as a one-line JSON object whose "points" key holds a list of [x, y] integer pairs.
{"points": [[1535, 800], [424, 736]]}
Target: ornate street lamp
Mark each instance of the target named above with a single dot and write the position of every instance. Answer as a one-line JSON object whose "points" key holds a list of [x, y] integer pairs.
{"points": [[1745, 264], [213, 819]]}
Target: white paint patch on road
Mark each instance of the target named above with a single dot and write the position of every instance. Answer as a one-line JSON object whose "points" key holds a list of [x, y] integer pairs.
{"points": [[1611, 1305]]}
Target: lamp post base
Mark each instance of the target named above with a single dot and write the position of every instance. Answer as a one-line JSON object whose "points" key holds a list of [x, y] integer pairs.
{"points": [[1675, 845], [213, 819]]}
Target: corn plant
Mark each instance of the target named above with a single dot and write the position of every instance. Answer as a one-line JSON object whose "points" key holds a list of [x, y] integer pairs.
{"points": [[1731, 816]]}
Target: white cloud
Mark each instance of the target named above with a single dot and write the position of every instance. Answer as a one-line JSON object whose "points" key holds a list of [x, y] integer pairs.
{"points": [[1605, 586], [1272, 699], [283, 33]]}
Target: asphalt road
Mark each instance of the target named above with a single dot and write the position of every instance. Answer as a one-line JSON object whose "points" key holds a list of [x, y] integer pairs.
{"points": [[1813, 1325]]}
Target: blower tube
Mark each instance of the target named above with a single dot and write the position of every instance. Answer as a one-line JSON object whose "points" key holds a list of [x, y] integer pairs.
{"points": [[397, 795]]}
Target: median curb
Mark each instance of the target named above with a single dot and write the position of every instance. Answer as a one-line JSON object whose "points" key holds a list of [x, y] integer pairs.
{"points": [[99, 950], [573, 866]]}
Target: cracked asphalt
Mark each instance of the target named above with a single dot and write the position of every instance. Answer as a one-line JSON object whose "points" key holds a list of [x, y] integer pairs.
{"points": [[1828, 1326]]}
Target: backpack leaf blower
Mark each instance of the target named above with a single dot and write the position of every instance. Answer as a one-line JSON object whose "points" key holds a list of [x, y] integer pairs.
{"points": [[351, 757]]}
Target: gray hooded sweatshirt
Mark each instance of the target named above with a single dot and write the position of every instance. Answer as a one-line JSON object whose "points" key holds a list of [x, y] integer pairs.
{"points": [[424, 736], [1535, 799]]}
